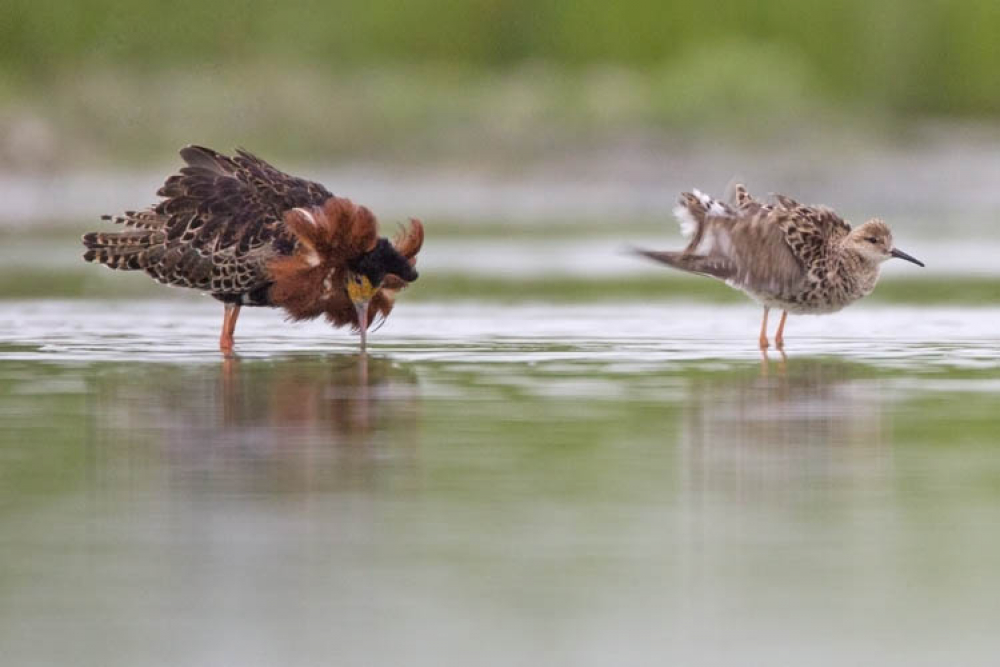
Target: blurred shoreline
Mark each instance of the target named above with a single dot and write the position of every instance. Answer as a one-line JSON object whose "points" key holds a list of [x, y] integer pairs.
{"points": [[947, 178]]}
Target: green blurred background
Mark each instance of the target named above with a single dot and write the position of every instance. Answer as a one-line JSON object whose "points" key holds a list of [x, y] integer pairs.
{"points": [[934, 56], [108, 81], [515, 115]]}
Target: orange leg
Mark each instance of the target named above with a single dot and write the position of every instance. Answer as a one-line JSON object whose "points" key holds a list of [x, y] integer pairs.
{"points": [[228, 327], [763, 330], [779, 338]]}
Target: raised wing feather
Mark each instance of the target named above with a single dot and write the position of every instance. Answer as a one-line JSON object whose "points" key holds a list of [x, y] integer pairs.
{"points": [[223, 220], [739, 243], [754, 248]]}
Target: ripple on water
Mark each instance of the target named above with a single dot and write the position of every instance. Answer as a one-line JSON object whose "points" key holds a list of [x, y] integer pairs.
{"points": [[639, 337]]}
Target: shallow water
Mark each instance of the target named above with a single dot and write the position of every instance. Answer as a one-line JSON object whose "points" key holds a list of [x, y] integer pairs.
{"points": [[499, 485]]}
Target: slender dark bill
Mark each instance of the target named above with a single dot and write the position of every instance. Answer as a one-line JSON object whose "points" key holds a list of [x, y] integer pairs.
{"points": [[909, 258]]}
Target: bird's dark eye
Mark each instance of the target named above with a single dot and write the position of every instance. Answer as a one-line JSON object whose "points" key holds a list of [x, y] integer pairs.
{"points": [[871, 239]]}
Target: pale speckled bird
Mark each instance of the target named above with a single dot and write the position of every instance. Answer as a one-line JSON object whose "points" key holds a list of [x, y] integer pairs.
{"points": [[802, 259], [251, 235]]}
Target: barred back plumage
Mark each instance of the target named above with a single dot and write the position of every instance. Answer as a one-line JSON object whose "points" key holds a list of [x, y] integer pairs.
{"points": [[219, 223]]}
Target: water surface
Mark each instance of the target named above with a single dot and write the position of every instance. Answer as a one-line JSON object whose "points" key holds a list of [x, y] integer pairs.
{"points": [[498, 485]]}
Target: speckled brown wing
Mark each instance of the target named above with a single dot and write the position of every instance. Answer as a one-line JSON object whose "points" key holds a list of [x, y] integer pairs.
{"points": [[229, 213], [810, 231], [740, 244], [753, 246], [219, 223], [813, 234]]}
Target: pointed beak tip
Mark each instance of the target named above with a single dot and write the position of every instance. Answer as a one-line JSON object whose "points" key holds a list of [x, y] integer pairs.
{"points": [[909, 258]]}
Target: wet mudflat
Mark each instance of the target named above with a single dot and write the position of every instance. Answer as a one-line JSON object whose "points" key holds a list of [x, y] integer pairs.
{"points": [[498, 485]]}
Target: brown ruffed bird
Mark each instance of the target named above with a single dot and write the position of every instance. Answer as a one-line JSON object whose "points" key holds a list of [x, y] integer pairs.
{"points": [[251, 235], [802, 259]]}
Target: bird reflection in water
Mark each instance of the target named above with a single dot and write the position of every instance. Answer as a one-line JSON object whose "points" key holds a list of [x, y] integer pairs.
{"points": [[806, 421], [280, 421], [765, 363], [314, 399]]}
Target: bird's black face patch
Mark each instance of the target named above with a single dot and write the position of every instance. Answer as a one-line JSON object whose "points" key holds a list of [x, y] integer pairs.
{"points": [[381, 260]]}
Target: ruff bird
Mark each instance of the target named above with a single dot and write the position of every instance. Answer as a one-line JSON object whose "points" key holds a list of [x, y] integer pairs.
{"points": [[801, 259], [251, 235]]}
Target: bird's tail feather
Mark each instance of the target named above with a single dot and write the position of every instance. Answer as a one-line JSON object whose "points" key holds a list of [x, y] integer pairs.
{"points": [[124, 259], [141, 238], [148, 219], [126, 251], [713, 266]]}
